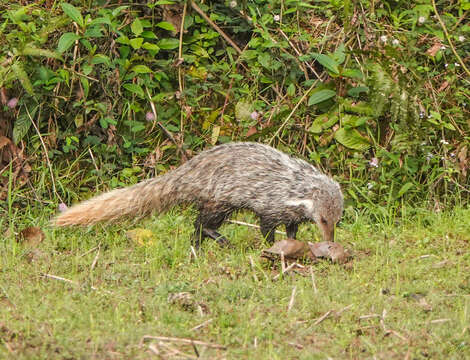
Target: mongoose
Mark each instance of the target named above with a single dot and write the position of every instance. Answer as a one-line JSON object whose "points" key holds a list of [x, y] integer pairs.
{"points": [[279, 188]]}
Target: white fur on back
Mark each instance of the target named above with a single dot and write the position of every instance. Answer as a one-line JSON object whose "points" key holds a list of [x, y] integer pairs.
{"points": [[306, 203]]}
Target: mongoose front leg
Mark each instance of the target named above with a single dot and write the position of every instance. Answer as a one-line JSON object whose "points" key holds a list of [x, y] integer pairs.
{"points": [[291, 230]]}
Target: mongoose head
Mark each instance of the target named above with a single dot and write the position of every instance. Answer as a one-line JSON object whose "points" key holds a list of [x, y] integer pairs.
{"points": [[323, 205], [328, 208]]}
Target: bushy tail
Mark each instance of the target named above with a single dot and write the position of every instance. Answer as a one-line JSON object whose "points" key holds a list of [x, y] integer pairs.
{"points": [[136, 200]]}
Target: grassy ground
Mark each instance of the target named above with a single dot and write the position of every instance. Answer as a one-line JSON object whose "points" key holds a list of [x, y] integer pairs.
{"points": [[406, 294]]}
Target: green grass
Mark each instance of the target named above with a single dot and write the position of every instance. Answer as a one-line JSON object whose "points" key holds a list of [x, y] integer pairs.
{"points": [[406, 293]]}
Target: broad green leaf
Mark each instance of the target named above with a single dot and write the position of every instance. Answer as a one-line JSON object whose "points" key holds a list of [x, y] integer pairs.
{"points": [[249, 54], [73, 13], [21, 75], [352, 139], [137, 27], [93, 32], [23, 122], [320, 96], [34, 51], [166, 25], [66, 41], [324, 121], [136, 43], [351, 121], [141, 69], [291, 90], [339, 55], [123, 40], [448, 126], [307, 5], [404, 189], [352, 73], [150, 47], [101, 59], [148, 35], [135, 89], [85, 85], [215, 134], [168, 44], [78, 120], [328, 62], [356, 91]]}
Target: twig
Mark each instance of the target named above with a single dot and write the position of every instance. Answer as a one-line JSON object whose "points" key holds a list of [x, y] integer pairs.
{"points": [[286, 269], [211, 23], [390, 331], [283, 263], [170, 136], [55, 277], [183, 340], [95, 260], [251, 225], [323, 317], [205, 323], [299, 54], [46, 155], [153, 348], [171, 352], [339, 312], [439, 321], [363, 317], [252, 263], [89, 251], [448, 38], [93, 159], [315, 290], [292, 112], [193, 251], [292, 299]]}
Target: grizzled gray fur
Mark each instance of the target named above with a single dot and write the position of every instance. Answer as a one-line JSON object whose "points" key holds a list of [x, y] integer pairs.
{"points": [[278, 188]]}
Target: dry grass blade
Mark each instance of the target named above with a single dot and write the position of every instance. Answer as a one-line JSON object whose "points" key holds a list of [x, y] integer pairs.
{"points": [[323, 317], [252, 264], [205, 323], [439, 321], [292, 299], [285, 270], [315, 290], [183, 340]]}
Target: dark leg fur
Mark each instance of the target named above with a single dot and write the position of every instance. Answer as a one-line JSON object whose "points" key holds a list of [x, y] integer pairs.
{"points": [[268, 230], [291, 230], [207, 223]]}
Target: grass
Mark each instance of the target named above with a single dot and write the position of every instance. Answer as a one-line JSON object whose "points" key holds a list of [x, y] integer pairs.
{"points": [[406, 294]]}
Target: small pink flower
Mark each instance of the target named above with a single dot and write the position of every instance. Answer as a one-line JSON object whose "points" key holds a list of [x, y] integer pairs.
{"points": [[374, 162], [149, 116], [254, 115], [12, 103], [62, 207]]}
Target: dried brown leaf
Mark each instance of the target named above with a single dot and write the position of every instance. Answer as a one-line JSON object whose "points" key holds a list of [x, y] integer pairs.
{"points": [[432, 51], [31, 236]]}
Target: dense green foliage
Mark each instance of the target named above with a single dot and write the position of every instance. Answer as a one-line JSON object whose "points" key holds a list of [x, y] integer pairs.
{"points": [[376, 93]]}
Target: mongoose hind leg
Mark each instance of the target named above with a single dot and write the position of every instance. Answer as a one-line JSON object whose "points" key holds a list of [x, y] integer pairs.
{"points": [[268, 230], [207, 223], [291, 230]]}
